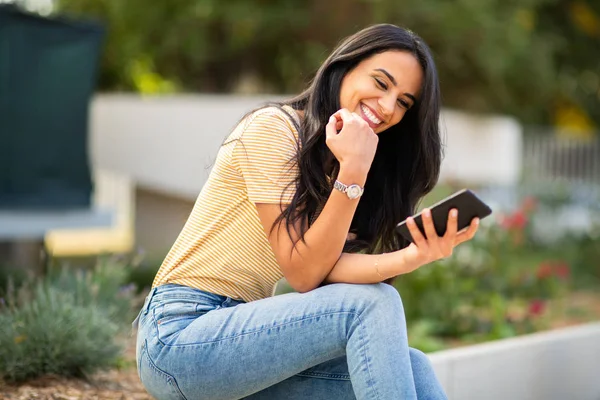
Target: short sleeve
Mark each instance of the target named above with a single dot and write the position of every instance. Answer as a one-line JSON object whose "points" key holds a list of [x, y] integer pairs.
{"points": [[265, 154]]}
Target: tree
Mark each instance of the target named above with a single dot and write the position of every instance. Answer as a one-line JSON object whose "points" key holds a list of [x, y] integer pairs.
{"points": [[494, 56]]}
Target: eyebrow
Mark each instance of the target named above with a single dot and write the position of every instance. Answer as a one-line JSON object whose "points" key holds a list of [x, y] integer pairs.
{"points": [[391, 78]]}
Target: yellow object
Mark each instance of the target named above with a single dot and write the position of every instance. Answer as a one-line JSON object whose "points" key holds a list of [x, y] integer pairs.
{"points": [[223, 247], [526, 18], [585, 19], [573, 121], [114, 193]]}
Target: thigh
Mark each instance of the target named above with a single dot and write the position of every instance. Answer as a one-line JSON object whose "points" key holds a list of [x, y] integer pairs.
{"points": [[232, 352]]}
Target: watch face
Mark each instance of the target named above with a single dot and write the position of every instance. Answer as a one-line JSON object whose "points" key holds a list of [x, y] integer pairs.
{"points": [[354, 191]]}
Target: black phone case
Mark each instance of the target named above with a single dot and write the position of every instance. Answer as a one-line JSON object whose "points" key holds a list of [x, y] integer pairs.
{"points": [[466, 202]]}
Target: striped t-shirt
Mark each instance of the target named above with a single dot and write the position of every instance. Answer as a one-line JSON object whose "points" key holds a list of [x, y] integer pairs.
{"points": [[223, 247]]}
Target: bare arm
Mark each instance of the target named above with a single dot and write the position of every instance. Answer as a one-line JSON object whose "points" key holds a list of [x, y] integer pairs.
{"points": [[367, 268], [319, 258], [307, 265]]}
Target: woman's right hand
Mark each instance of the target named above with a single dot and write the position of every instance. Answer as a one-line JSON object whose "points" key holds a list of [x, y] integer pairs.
{"points": [[355, 145]]}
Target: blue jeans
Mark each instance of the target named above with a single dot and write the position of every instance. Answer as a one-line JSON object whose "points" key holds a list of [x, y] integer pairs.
{"points": [[340, 341]]}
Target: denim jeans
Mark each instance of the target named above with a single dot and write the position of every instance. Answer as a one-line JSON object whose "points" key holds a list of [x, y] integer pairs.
{"points": [[340, 341]]}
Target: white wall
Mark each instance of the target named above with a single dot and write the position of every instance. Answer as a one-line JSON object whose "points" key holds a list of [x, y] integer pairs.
{"points": [[169, 143], [554, 365], [481, 149]]}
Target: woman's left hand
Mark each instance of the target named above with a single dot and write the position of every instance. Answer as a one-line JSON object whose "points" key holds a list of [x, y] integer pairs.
{"points": [[431, 247]]}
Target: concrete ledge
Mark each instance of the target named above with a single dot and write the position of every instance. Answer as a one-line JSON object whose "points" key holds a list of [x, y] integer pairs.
{"points": [[18, 225], [115, 192], [169, 143], [560, 364]]}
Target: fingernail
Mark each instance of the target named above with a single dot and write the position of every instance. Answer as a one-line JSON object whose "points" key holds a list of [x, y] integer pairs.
{"points": [[427, 212], [454, 213], [476, 221]]}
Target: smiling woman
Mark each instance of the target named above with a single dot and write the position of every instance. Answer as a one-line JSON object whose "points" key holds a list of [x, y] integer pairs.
{"points": [[372, 91], [309, 189]]}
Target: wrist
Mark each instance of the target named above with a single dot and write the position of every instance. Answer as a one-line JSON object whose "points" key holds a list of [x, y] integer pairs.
{"points": [[406, 263], [386, 265], [350, 175]]}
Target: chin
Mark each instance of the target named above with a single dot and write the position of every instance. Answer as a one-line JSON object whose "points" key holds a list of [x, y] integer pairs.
{"points": [[380, 129]]}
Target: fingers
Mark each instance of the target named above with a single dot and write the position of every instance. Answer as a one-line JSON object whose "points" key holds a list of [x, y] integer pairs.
{"points": [[344, 115], [347, 117], [468, 234], [416, 234], [452, 225], [341, 116], [330, 128], [432, 235]]}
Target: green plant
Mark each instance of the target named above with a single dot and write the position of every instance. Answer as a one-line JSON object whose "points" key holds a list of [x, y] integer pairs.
{"points": [[10, 276], [533, 59], [45, 330], [493, 287], [105, 284], [67, 322]]}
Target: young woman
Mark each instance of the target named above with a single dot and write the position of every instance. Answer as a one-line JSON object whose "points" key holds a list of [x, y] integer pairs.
{"points": [[310, 190]]}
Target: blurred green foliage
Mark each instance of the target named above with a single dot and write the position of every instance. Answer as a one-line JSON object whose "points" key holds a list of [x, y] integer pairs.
{"points": [[503, 283], [53, 332], [67, 322], [535, 59]]}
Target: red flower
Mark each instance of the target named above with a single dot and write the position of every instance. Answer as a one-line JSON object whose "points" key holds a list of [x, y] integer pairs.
{"points": [[516, 221], [537, 307], [553, 268], [529, 204], [519, 220], [562, 270], [545, 270]]}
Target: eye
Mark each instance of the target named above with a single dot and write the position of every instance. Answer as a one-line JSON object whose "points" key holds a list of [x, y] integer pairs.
{"points": [[381, 84], [403, 103]]}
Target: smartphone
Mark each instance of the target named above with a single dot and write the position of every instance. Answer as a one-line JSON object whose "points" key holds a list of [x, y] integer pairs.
{"points": [[469, 206]]}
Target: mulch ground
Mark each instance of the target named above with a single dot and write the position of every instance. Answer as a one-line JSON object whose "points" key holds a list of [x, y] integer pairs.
{"points": [[111, 385]]}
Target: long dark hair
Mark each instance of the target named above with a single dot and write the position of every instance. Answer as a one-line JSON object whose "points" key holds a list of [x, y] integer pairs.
{"points": [[408, 157]]}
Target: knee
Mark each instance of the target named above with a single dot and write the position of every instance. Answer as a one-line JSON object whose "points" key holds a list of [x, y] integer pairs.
{"points": [[419, 360], [379, 296], [384, 293]]}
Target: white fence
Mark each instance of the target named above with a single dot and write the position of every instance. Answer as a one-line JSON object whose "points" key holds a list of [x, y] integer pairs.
{"points": [[552, 158]]}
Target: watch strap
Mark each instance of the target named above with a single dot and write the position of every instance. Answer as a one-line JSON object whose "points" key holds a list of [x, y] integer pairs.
{"points": [[352, 191], [340, 186]]}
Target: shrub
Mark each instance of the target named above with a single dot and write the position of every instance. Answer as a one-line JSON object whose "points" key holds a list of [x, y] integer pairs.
{"points": [[11, 276], [46, 330], [66, 323], [105, 285]]}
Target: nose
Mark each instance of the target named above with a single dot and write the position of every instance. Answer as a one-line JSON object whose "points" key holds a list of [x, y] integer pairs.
{"points": [[387, 105]]}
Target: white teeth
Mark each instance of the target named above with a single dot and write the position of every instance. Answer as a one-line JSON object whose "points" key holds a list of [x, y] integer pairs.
{"points": [[370, 115]]}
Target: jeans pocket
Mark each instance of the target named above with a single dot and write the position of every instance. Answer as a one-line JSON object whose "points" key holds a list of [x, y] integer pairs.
{"points": [[174, 316], [156, 381]]}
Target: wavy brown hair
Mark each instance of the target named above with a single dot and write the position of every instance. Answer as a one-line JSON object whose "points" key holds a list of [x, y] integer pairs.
{"points": [[408, 157]]}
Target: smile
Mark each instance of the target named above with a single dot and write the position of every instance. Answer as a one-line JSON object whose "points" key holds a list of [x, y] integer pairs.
{"points": [[370, 116]]}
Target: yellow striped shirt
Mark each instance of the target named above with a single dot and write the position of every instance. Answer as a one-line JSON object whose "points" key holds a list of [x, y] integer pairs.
{"points": [[223, 247]]}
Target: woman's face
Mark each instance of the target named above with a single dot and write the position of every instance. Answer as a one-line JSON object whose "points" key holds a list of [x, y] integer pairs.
{"points": [[382, 88]]}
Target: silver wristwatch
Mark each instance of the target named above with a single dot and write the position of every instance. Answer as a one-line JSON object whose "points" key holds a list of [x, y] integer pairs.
{"points": [[352, 191]]}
